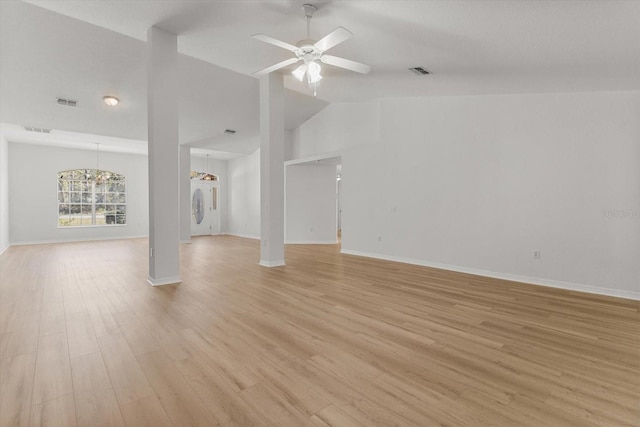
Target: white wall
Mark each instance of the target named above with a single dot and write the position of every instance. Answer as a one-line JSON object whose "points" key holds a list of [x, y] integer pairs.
{"points": [[33, 209], [243, 196], [310, 200], [479, 183], [288, 144], [336, 128], [4, 194], [219, 168]]}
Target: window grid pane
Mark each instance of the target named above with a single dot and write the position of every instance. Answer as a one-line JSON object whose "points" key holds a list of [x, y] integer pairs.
{"points": [[81, 202]]}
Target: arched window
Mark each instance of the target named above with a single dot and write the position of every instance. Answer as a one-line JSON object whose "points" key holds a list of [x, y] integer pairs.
{"points": [[90, 197], [203, 176]]}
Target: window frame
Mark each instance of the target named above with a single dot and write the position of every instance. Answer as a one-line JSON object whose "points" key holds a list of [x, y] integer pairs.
{"points": [[93, 194]]}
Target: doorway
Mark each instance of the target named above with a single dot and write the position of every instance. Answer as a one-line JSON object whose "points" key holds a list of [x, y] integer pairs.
{"points": [[205, 212], [312, 201]]}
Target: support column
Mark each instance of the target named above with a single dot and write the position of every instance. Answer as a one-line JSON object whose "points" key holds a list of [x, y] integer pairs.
{"points": [[185, 194], [162, 117], [272, 170]]}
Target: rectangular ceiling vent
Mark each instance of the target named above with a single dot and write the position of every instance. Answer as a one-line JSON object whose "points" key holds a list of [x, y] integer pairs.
{"points": [[421, 71], [67, 102], [229, 131], [37, 130]]}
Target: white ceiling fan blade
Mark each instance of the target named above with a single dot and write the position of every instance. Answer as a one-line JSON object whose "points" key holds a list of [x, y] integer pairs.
{"points": [[345, 63], [335, 37], [276, 67], [275, 42]]}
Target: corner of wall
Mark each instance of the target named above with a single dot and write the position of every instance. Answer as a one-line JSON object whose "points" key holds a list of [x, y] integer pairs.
{"points": [[288, 144], [4, 194]]}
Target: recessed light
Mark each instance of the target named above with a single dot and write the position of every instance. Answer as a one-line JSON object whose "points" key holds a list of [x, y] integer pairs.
{"points": [[111, 101]]}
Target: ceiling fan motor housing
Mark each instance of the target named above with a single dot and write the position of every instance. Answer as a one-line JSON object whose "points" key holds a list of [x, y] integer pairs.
{"points": [[309, 10], [308, 53], [306, 44]]}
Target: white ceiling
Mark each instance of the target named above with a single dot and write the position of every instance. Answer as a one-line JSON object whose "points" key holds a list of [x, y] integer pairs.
{"points": [[45, 55], [472, 47]]}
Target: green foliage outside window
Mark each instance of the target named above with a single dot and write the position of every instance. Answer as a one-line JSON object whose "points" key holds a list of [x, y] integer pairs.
{"points": [[88, 197]]}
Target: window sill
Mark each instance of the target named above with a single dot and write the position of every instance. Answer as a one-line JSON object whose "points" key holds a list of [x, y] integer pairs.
{"points": [[71, 227]]}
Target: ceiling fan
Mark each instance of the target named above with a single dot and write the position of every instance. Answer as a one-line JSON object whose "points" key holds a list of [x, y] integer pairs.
{"points": [[310, 52]]}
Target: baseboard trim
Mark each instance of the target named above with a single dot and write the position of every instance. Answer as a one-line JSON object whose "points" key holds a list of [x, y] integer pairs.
{"points": [[188, 241], [504, 276], [279, 263], [87, 239], [166, 281], [245, 236], [319, 242], [4, 249]]}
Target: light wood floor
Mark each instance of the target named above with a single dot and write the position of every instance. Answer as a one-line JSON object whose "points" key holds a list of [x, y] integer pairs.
{"points": [[328, 340]]}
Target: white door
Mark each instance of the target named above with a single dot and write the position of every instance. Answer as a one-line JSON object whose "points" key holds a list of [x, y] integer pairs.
{"points": [[205, 212]]}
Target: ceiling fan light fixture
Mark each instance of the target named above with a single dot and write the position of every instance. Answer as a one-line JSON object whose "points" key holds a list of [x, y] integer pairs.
{"points": [[298, 73], [313, 71]]}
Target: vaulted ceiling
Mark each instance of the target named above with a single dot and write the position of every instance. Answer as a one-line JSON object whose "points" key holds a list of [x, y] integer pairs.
{"points": [[83, 49]]}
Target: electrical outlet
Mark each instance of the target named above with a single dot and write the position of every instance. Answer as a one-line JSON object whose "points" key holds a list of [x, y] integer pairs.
{"points": [[536, 254]]}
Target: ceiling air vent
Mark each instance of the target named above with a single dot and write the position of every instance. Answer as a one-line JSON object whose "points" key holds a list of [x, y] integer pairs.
{"points": [[37, 130], [229, 131], [67, 102], [421, 71]]}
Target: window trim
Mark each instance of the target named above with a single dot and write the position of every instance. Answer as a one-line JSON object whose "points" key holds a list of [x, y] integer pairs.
{"points": [[93, 199]]}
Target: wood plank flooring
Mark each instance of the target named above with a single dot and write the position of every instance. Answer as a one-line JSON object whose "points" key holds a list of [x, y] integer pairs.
{"points": [[328, 340]]}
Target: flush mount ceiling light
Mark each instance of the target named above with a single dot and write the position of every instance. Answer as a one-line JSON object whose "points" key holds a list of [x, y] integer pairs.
{"points": [[311, 52], [110, 100]]}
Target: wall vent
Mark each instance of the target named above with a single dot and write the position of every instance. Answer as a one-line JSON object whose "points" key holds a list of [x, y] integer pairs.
{"points": [[421, 71], [229, 131], [37, 130], [67, 102]]}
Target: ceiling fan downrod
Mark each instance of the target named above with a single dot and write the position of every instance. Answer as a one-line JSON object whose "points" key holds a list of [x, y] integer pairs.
{"points": [[308, 10]]}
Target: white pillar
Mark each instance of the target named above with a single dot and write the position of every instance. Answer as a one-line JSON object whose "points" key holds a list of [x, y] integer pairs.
{"points": [[272, 170], [162, 117], [185, 194]]}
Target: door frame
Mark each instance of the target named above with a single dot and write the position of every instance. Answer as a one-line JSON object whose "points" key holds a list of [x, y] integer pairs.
{"points": [[213, 218]]}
